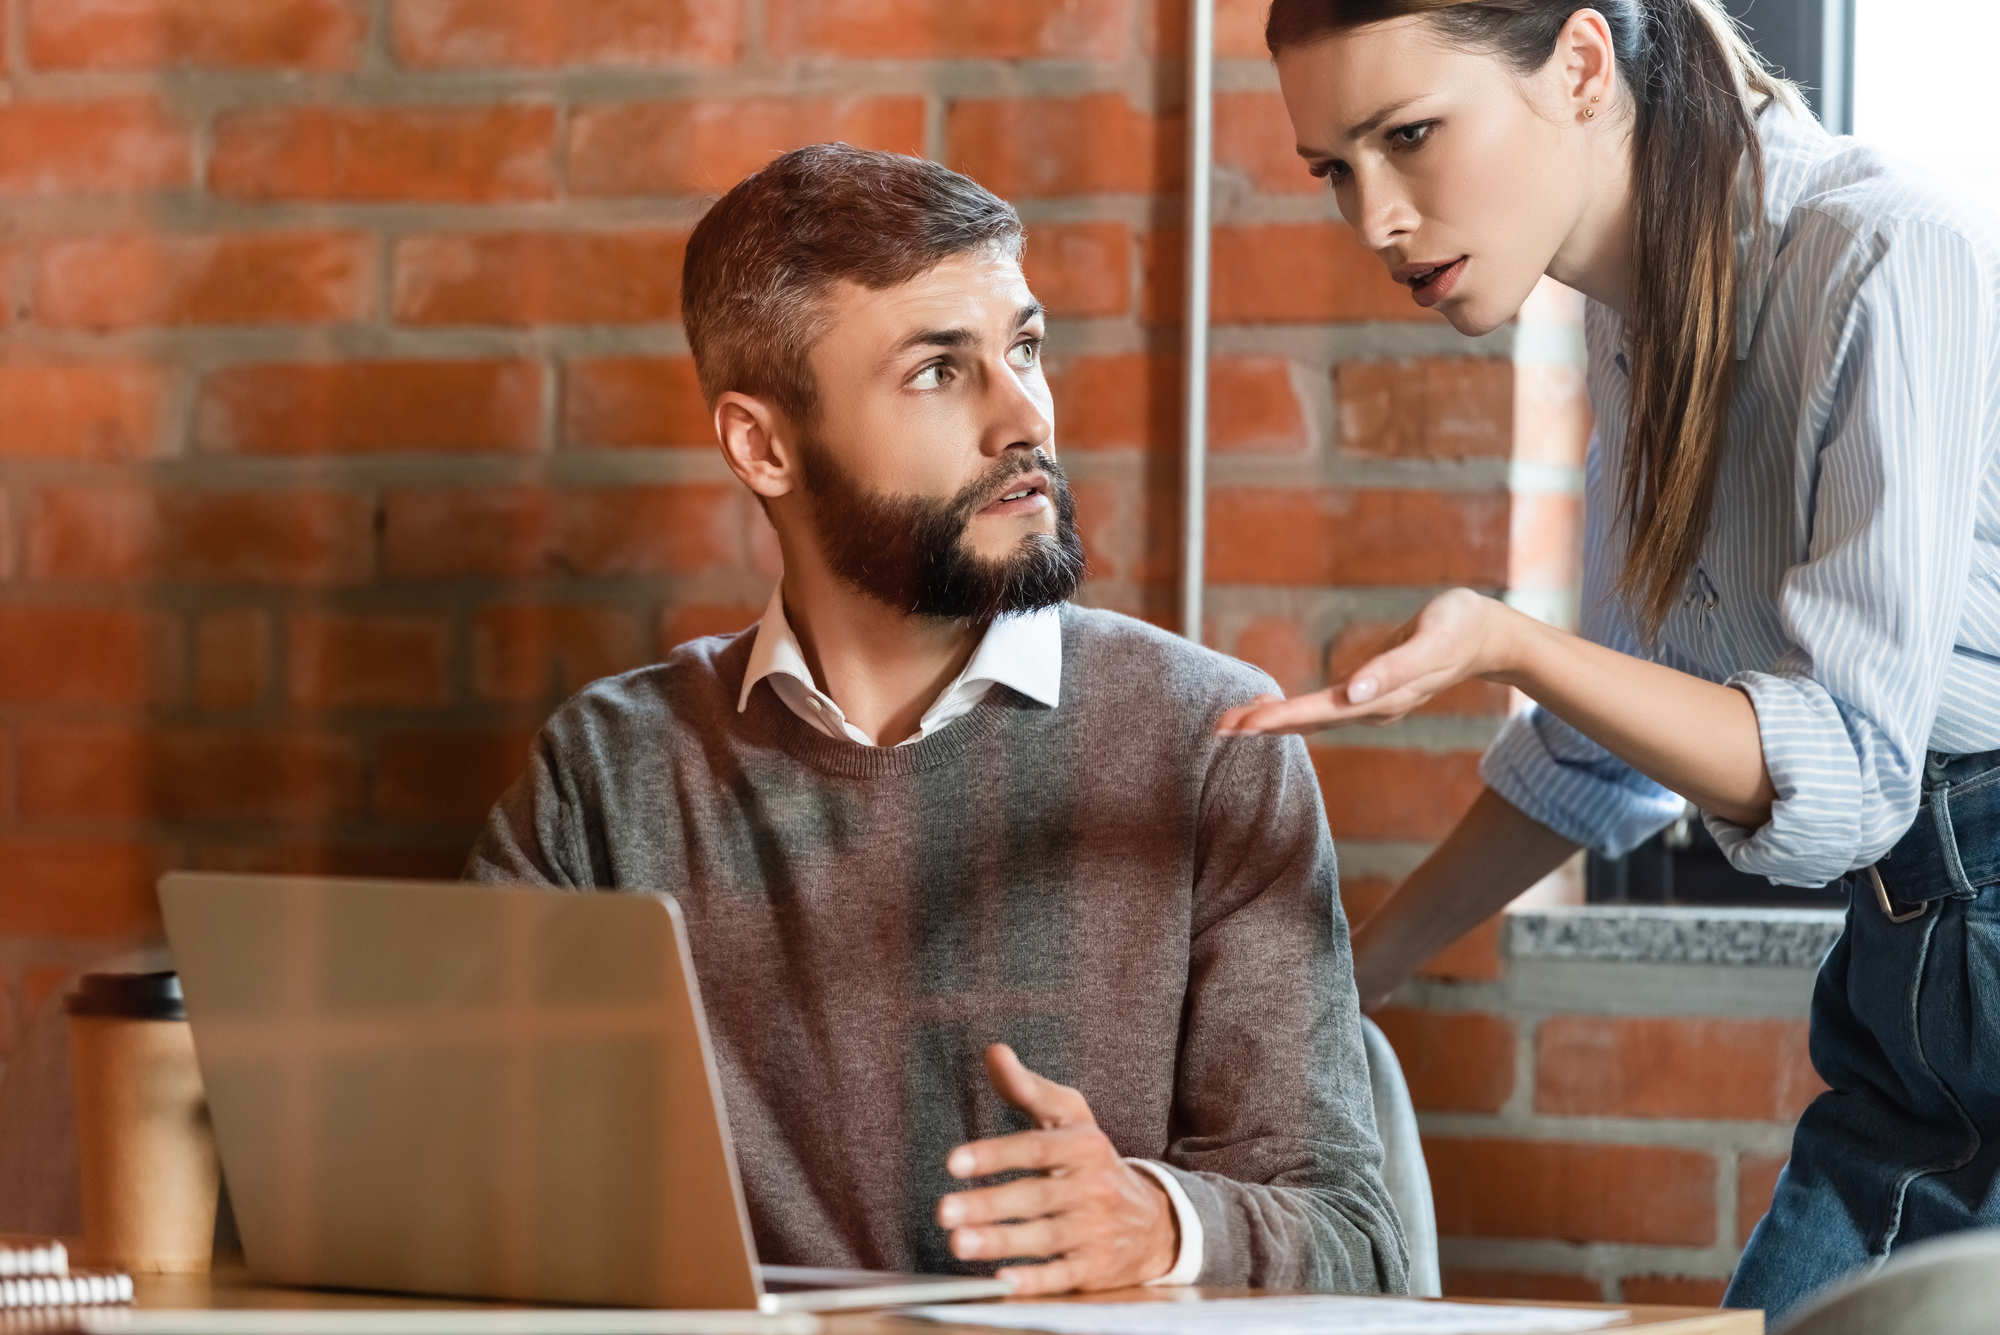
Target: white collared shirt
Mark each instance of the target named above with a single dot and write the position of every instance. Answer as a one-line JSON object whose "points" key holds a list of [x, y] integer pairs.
{"points": [[1023, 653]]}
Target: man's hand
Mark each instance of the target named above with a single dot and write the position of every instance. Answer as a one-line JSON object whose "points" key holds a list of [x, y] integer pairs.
{"points": [[1107, 1224]]}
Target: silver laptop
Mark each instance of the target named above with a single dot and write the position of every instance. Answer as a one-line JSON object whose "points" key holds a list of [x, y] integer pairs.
{"points": [[439, 1088]]}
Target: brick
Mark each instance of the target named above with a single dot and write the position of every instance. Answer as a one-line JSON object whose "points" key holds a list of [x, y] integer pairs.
{"points": [[1118, 401], [941, 29], [78, 887], [634, 401], [1043, 147], [495, 532], [1329, 536], [1276, 645], [1426, 408], [705, 146], [102, 773], [364, 661], [1522, 1284], [1253, 408], [323, 36], [371, 408], [1130, 533], [1454, 1061], [80, 410], [232, 658], [1552, 415], [441, 155], [1545, 542], [1572, 1192], [694, 621], [1303, 273], [1720, 1069], [1473, 958], [78, 655], [1079, 269], [526, 653], [446, 777], [1254, 136], [1386, 792], [7, 561], [1672, 1290], [544, 34], [649, 530], [110, 147], [278, 278], [1239, 29], [287, 538], [1360, 640], [1756, 1181], [534, 278], [421, 861]]}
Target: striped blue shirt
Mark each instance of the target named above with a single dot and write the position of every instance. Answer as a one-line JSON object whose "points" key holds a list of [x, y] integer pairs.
{"points": [[1850, 582]]}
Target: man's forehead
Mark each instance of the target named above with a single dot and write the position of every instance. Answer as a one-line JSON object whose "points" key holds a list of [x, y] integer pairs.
{"points": [[970, 291]]}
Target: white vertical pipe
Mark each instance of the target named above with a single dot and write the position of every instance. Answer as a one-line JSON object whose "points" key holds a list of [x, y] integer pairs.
{"points": [[1194, 328]]}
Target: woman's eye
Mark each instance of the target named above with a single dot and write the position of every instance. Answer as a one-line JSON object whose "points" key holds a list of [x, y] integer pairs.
{"points": [[1333, 173], [931, 377], [1410, 136], [1025, 356]]}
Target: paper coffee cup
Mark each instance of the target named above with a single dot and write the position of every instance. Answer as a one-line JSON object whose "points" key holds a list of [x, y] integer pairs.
{"points": [[144, 1146]]}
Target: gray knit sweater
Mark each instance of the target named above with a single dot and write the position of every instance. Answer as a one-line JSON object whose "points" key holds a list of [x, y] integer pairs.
{"points": [[1143, 911]]}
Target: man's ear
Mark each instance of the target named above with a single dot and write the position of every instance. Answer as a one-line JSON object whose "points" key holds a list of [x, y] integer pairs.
{"points": [[757, 444]]}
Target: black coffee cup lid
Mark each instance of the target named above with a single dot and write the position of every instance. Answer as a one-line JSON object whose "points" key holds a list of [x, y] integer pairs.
{"points": [[132, 996]]}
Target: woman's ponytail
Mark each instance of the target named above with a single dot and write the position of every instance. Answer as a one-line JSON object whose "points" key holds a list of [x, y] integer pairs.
{"points": [[1696, 88]]}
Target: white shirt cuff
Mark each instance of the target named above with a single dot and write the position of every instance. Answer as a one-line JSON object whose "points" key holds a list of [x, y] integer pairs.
{"points": [[1187, 1266]]}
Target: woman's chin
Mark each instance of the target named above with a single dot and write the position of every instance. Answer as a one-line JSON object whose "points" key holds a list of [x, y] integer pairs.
{"points": [[1472, 319]]}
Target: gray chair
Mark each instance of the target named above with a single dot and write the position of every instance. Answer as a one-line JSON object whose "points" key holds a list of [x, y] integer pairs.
{"points": [[1403, 1169], [1946, 1286]]}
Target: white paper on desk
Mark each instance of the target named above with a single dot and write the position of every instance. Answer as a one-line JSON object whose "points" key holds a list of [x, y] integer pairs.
{"points": [[1271, 1316]]}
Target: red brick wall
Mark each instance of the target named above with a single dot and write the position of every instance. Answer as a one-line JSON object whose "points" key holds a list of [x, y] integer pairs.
{"points": [[346, 426]]}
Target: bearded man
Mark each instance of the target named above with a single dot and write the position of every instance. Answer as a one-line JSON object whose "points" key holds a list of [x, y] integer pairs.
{"points": [[1004, 958]]}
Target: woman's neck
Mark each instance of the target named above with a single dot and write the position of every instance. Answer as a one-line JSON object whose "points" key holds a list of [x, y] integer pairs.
{"points": [[1596, 257]]}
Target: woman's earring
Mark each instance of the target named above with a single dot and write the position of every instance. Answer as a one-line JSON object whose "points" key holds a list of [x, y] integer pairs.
{"points": [[1588, 114]]}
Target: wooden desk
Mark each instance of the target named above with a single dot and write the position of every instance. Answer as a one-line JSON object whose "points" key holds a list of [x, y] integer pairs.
{"points": [[228, 1290]]}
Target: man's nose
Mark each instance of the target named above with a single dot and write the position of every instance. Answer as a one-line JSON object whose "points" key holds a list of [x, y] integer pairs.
{"points": [[1019, 415]]}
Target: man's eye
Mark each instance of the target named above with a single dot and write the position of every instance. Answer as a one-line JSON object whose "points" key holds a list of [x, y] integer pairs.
{"points": [[931, 377], [1025, 356]]}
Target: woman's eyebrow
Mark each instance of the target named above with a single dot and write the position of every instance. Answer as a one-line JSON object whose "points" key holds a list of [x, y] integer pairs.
{"points": [[1384, 114]]}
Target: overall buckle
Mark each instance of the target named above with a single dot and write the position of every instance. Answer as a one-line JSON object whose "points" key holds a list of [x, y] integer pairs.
{"points": [[1882, 898]]}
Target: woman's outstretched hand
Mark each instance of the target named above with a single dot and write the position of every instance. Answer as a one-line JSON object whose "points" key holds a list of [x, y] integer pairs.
{"points": [[1453, 638]]}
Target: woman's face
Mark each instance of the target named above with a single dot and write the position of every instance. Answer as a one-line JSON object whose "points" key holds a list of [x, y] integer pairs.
{"points": [[1464, 177]]}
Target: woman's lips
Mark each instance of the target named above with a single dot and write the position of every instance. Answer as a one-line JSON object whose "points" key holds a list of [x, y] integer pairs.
{"points": [[1439, 285]]}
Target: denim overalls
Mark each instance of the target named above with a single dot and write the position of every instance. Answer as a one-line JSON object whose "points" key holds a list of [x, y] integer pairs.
{"points": [[1905, 1145]]}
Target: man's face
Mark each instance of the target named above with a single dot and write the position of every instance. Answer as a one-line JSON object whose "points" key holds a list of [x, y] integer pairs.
{"points": [[931, 470]]}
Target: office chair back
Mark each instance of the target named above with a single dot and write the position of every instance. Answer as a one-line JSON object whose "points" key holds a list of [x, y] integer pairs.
{"points": [[1403, 1169], [1946, 1286]]}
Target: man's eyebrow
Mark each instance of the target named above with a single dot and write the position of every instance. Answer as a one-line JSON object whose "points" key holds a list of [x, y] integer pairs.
{"points": [[960, 337]]}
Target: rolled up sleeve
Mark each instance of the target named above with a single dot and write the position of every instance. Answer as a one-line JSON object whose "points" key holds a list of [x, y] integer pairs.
{"points": [[1555, 775], [1846, 714]]}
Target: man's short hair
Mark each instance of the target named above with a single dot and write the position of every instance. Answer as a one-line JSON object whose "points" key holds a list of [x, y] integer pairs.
{"points": [[760, 264]]}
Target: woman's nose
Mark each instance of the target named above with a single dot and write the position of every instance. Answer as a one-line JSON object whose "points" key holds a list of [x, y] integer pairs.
{"points": [[1381, 216]]}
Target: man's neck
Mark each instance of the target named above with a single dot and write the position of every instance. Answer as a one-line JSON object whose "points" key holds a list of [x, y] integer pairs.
{"points": [[882, 667]]}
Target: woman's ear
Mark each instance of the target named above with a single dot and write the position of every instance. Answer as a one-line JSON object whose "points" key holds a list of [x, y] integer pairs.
{"points": [[1586, 61], [756, 445]]}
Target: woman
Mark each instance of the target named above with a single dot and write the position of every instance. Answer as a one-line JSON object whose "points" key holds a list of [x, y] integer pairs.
{"points": [[1791, 611]]}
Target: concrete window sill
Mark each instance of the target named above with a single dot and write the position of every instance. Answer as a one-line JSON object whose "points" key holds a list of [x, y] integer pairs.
{"points": [[1653, 934]]}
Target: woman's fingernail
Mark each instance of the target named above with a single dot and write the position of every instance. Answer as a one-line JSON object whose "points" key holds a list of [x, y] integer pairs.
{"points": [[1361, 691], [959, 1164]]}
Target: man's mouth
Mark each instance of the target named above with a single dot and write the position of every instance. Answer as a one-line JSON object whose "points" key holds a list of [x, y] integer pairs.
{"points": [[1431, 281], [1025, 497]]}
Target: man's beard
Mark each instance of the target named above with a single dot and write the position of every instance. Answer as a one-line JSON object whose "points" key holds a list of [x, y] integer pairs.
{"points": [[910, 552]]}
